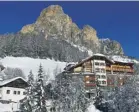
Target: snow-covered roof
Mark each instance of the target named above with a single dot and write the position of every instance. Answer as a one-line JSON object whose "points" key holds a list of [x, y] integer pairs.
{"points": [[121, 59], [88, 58], [135, 61], [10, 80], [98, 54], [102, 55]]}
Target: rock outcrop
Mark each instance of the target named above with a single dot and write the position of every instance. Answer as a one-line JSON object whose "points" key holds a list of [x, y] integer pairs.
{"points": [[53, 23]]}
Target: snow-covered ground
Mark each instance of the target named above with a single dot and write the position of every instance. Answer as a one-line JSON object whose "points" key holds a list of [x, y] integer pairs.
{"points": [[27, 64], [15, 106], [9, 107], [92, 108], [83, 49]]}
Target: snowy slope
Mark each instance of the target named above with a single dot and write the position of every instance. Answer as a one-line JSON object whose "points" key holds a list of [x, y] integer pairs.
{"points": [[15, 106], [92, 108], [27, 64], [83, 49]]}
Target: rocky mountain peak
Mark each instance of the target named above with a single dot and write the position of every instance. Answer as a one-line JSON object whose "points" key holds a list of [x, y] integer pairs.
{"points": [[52, 10], [27, 29], [90, 33], [53, 22]]}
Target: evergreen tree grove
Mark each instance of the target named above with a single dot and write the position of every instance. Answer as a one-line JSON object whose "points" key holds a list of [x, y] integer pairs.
{"points": [[28, 102], [39, 92]]}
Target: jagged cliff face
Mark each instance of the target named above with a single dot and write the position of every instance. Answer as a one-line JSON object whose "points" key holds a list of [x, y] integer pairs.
{"points": [[110, 47], [53, 22], [53, 25]]}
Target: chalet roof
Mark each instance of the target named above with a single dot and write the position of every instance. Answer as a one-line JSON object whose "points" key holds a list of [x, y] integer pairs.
{"points": [[91, 57], [4, 82], [122, 60]]}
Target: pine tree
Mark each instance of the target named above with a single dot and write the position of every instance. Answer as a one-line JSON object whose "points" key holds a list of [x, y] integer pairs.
{"points": [[126, 97], [39, 93], [28, 103], [69, 93]]}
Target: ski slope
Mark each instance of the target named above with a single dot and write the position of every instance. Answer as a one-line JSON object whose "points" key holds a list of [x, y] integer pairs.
{"points": [[27, 64]]}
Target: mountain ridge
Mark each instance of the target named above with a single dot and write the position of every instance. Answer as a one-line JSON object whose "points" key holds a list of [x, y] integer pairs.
{"points": [[54, 22], [55, 35]]}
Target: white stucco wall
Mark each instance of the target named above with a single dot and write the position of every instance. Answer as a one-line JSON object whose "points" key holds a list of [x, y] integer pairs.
{"points": [[13, 97], [101, 73]]}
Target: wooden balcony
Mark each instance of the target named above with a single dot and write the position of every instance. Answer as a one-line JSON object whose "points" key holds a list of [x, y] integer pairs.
{"points": [[122, 69], [88, 78], [108, 68], [78, 69]]}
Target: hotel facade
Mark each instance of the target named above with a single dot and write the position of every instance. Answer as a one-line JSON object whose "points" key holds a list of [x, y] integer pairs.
{"points": [[103, 71]]}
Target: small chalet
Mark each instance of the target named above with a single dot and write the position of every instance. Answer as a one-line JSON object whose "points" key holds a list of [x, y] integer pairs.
{"points": [[13, 89]]}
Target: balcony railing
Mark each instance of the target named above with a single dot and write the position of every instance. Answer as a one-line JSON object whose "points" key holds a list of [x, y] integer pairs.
{"points": [[119, 68], [89, 78], [108, 68], [122, 69]]}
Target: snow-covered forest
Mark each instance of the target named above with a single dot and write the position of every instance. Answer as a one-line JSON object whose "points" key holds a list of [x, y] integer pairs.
{"points": [[52, 91], [67, 94], [64, 94]]}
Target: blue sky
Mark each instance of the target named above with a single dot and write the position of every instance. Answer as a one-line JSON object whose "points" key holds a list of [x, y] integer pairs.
{"points": [[115, 20]]}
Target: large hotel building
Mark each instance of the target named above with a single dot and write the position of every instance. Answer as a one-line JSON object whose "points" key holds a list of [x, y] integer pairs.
{"points": [[103, 70]]}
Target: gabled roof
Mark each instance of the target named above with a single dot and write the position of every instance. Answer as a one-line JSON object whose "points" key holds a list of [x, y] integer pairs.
{"points": [[121, 59], [91, 57], [4, 82]]}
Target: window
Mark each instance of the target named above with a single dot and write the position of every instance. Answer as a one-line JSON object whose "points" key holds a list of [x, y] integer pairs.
{"points": [[102, 70], [98, 76], [99, 82], [8, 92], [24, 93], [18, 92], [87, 76], [87, 82], [103, 82], [92, 81], [102, 64], [14, 92], [103, 77], [96, 63], [97, 69]]}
